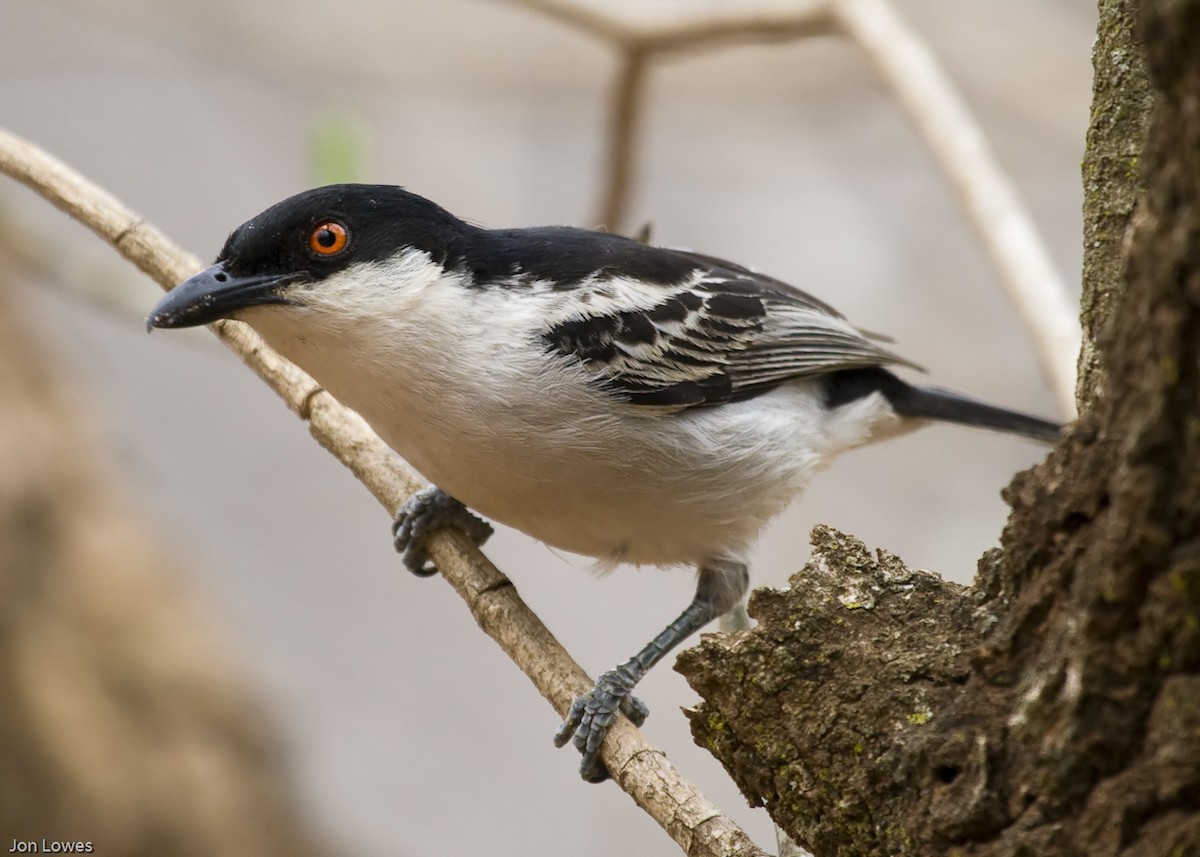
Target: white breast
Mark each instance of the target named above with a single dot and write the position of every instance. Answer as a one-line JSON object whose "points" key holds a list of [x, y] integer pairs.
{"points": [[456, 381]]}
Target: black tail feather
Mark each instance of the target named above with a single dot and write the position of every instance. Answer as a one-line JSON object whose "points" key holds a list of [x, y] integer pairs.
{"points": [[932, 403]]}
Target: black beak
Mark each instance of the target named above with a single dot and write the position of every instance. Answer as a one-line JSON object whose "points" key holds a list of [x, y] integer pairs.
{"points": [[215, 294]]}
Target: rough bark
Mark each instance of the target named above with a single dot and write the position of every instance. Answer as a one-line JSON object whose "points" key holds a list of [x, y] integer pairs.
{"points": [[1054, 707], [1112, 181], [122, 724]]}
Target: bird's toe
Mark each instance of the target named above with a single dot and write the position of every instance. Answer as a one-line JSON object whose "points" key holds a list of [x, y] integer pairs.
{"points": [[425, 512], [591, 716]]}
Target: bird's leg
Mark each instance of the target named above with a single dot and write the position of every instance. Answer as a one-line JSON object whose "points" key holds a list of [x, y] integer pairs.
{"points": [[721, 585], [424, 512]]}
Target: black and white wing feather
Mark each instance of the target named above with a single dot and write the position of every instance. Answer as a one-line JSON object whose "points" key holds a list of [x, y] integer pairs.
{"points": [[719, 334]]}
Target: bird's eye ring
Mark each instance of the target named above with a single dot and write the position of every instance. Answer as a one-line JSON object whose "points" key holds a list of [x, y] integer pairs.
{"points": [[328, 238]]}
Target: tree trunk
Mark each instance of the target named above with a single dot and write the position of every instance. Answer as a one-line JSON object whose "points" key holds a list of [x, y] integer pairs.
{"points": [[1054, 707]]}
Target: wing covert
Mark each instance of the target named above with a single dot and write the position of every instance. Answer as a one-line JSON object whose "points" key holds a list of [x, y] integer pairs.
{"points": [[724, 334]]}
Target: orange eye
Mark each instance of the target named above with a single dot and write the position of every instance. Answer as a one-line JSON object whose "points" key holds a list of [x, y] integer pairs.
{"points": [[328, 238]]}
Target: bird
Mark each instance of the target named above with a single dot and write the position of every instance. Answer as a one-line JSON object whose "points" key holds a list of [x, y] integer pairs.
{"points": [[610, 398]]}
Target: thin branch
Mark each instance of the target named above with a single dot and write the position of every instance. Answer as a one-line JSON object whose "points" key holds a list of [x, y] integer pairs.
{"points": [[945, 123], [694, 823], [644, 32], [627, 100], [660, 29]]}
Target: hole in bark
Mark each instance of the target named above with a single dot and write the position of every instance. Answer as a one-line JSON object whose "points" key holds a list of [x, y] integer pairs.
{"points": [[1075, 521], [946, 773]]}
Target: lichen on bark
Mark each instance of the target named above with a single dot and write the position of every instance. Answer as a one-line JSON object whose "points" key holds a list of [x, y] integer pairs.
{"points": [[1112, 175], [1052, 708]]}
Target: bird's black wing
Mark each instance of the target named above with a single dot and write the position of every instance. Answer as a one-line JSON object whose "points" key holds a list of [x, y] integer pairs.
{"points": [[718, 334]]}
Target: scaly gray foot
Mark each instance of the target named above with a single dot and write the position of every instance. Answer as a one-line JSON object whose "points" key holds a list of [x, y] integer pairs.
{"points": [[592, 715], [429, 510]]}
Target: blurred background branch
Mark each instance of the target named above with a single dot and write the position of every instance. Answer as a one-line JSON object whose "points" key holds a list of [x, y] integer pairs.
{"points": [[945, 123], [666, 28]]}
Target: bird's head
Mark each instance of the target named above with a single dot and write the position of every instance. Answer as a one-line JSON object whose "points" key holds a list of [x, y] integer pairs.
{"points": [[290, 252]]}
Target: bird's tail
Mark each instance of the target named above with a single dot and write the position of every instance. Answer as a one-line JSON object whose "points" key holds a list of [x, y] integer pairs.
{"points": [[934, 403]]}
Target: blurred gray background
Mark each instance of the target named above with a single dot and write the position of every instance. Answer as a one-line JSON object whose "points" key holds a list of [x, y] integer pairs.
{"points": [[408, 731]]}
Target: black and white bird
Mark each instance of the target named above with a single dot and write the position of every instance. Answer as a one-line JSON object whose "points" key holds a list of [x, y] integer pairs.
{"points": [[627, 402]]}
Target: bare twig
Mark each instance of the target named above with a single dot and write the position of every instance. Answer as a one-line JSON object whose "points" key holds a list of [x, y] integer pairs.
{"points": [[652, 26], [647, 32], [946, 125], [694, 823], [623, 126]]}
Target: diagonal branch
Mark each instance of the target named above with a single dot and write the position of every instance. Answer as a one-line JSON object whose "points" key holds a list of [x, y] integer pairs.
{"points": [[642, 771], [951, 132]]}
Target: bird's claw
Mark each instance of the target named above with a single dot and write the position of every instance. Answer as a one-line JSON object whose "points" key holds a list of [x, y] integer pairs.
{"points": [[424, 512], [592, 715]]}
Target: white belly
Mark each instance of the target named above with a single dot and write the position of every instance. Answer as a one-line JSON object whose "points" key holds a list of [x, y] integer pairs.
{"points": [[661, 490], [524, 441]]}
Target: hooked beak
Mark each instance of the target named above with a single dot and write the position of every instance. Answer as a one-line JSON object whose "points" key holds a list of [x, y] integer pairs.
{"points": [[215, 294]]}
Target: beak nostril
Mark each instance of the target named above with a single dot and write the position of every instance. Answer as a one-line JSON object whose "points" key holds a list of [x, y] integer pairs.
{"points": [[220, 276]]}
